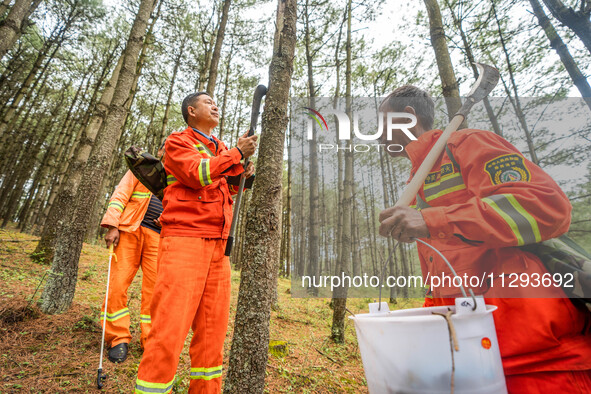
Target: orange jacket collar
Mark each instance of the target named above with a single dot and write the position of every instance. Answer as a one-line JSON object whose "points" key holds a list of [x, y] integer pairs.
{"points": [[417, 150], [210, 145]]}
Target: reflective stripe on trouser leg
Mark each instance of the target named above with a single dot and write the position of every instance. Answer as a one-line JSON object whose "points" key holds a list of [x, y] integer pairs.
{"points": [[123, 271], [179, 286], [210, 326], [206, 373], [149, 263], [147, 387]]}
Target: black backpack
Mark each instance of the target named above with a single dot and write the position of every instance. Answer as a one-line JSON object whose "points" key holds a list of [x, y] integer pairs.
{"points": [[147, 169], [151, 173]]}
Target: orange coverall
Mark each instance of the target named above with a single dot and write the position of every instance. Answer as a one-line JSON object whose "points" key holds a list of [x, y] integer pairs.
{"points": [[137, 247], [480, 210], [193, 285]]}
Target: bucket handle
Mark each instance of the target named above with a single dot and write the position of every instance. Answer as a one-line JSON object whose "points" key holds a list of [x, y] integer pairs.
{"points": [[444, 259], [452, 271]]}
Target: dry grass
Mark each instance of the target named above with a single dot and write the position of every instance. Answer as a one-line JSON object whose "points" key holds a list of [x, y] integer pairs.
{"points": [[51, 353]]}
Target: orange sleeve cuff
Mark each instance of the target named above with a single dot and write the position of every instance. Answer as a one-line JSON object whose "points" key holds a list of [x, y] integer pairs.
{"points": [[236, 155], [437, 222], [111, 219]]}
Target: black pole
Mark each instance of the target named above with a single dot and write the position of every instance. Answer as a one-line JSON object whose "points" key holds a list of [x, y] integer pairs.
{"points": [[259, 92]]}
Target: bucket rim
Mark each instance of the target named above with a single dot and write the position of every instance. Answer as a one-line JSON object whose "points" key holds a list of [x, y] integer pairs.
{"points": [[401, 315]]}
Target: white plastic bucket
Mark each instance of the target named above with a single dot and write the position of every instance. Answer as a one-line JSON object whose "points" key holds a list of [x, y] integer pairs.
{"points": [[408, 351]]}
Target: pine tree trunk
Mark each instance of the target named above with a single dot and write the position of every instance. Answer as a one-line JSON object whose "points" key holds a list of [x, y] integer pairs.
{"points": [[515, 102], [65, 199], [13, 73], [313, 246], [301, 267], [93, 228], [217, 50], [61, 283], [323, 223], [53, 43], [20, 175], [225, 96], [258, 279], [449, 83], [11, 27], [558, 45], [177, 64], [204, 69], [339, 197], [339, 296], [470, 57], [4, 5], [577, 21], [13, 152], [386, 185], [288, 205], [370, 220], [357, 262]]}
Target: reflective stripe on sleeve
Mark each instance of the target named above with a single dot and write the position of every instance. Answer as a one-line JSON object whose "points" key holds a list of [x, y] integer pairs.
{"points": [[117, 205], [140, 195], [523, 225], [147, 387], [208, 173], [146, 319], [116, 315], [447, 184], [170, 180], [206, 373], [203, 149], [204, 174]]}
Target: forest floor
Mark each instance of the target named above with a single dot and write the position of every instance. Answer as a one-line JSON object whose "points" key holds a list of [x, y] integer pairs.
{"points": [[57, 353]]}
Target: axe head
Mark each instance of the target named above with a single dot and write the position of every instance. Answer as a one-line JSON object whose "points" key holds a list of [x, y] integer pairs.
{"points": [[487, 79]]}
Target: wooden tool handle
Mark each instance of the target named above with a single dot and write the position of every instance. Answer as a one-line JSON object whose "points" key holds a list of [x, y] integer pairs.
{"points": [[413, 187]]}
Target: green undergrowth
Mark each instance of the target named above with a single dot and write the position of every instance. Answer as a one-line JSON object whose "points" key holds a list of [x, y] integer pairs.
{"points": [[50, 353]]}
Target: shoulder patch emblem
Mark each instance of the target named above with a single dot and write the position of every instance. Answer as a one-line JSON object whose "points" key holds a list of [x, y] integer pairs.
{"points": [[507, 168]]}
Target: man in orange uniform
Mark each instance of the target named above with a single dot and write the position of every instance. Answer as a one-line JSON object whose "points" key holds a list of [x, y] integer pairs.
{"points": [[132, 219], [193, 285], [481, 200]]}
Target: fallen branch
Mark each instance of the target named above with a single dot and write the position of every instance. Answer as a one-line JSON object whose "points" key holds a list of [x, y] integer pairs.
{"points": [[328, 357]]}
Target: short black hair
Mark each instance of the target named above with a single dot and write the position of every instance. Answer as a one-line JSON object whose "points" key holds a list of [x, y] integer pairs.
{"points": [[190, 100], [414, 97]]}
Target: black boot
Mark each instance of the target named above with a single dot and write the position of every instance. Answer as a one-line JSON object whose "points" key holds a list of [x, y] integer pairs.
{"points": [[118, 354]]}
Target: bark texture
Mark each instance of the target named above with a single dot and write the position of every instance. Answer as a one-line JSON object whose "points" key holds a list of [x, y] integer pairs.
{"points": [[11, 27], [449, 83], [515, 102], [344, 253], [58, 213], [313, 236], [577, 21], [61, 283], [558, 45], [471, 60], [217, 50], [258, 279]]}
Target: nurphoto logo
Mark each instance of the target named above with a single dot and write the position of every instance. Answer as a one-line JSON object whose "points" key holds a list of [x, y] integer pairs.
{"points": [[394, 122]]}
